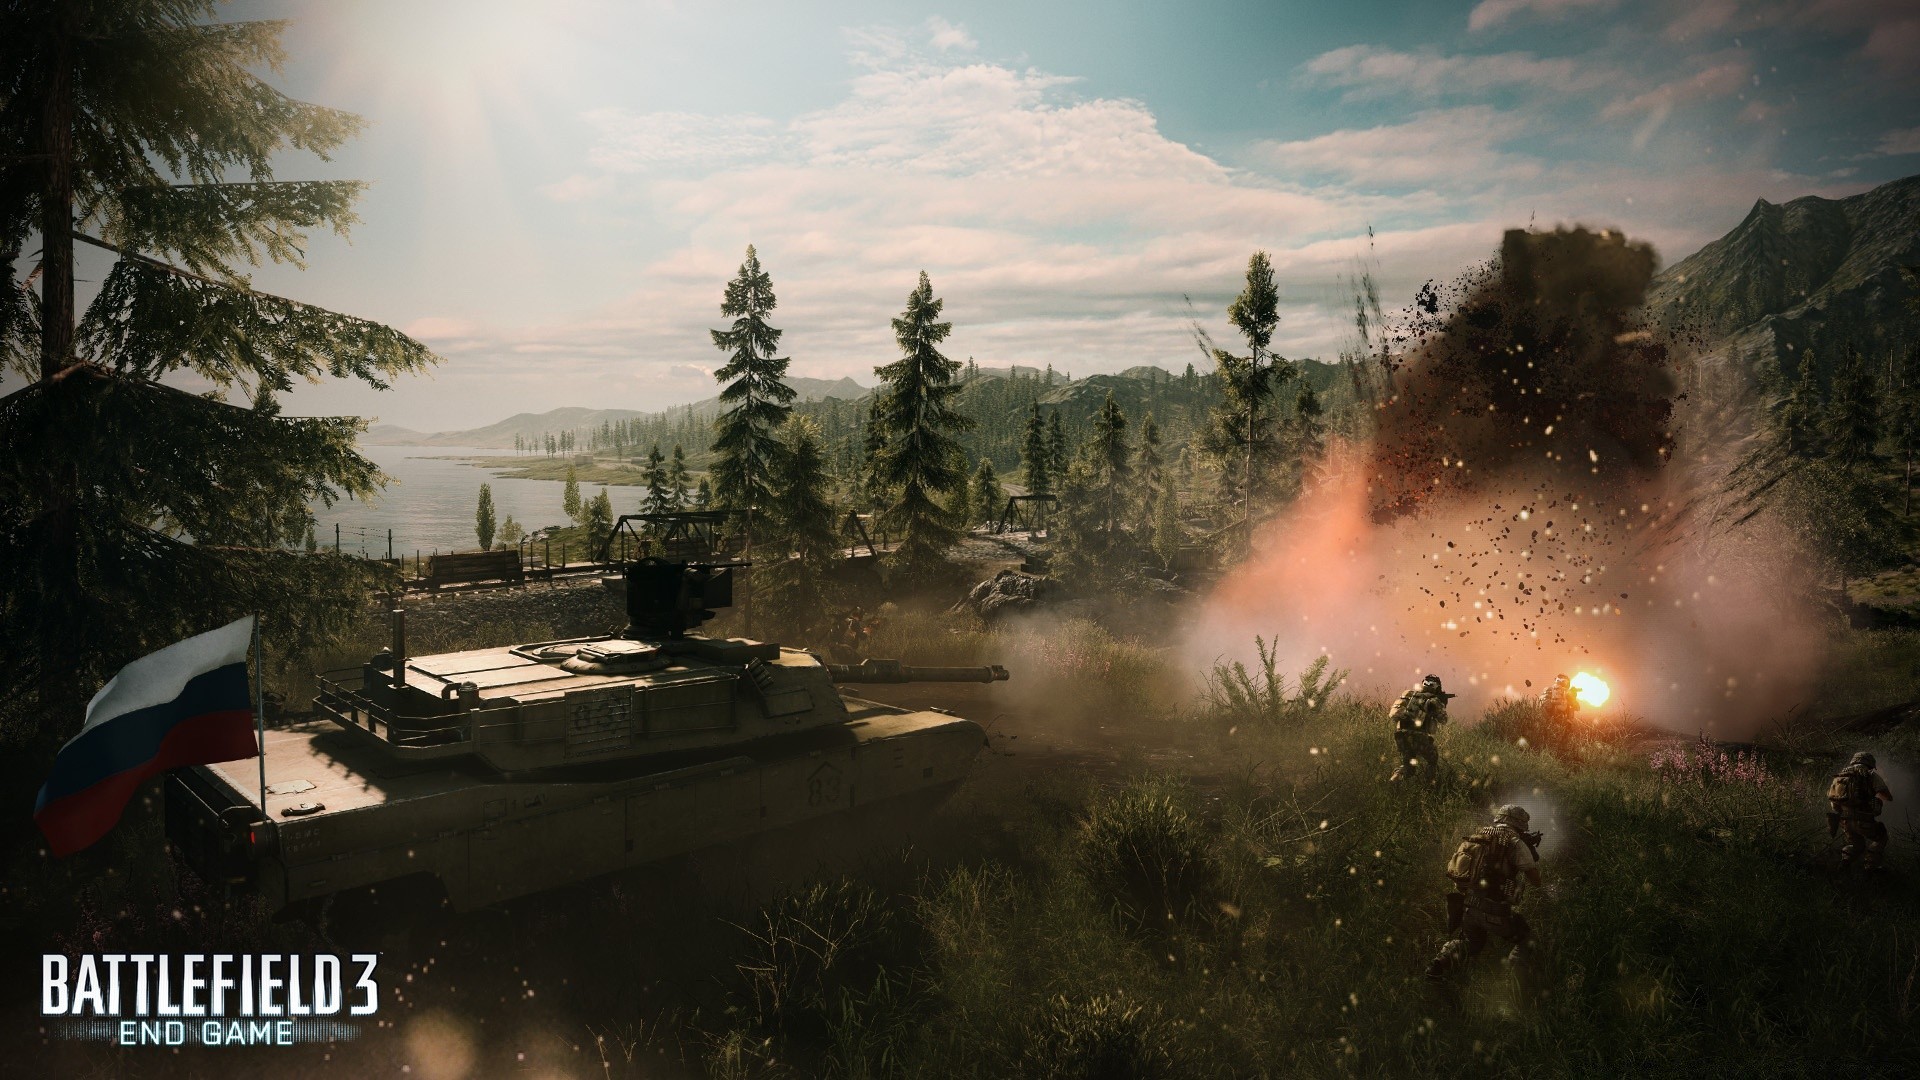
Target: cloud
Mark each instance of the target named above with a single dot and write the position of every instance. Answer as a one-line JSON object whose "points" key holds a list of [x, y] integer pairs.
{"points": [[1490, 13], [1902, 141], [1367, 71], [635, 142], [946, 36], [1444, 147], [1719, 80]]}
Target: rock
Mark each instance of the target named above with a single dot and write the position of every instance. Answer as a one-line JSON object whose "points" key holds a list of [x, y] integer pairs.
{"points": [[1007, 592]]}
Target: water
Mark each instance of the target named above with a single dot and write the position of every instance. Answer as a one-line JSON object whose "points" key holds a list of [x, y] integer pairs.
{"points": [[430, 502]]}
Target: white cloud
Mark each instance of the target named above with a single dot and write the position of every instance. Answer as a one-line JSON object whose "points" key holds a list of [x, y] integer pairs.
{"points": [[1903, 141], [1445, 147], [1367, 71], [1490, 13], [635, 142], [1717, 81], [946, 36], [578, 188]]}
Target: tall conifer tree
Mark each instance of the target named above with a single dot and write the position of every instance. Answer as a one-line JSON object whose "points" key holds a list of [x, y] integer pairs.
{"points": [[1037, 455], [757, 400], [659, 498], [921, 462], [132, 513]]}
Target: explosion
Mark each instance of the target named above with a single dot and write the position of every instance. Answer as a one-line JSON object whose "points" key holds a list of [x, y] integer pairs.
{"points": [[1590, 690], [1522, 503]]}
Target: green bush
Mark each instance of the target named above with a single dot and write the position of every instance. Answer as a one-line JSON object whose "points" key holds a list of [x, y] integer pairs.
{"points": [[1103, 1037], [1147, 856]]}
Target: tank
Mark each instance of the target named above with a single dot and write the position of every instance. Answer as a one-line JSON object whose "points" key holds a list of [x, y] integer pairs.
{"points": [[494, 773]]}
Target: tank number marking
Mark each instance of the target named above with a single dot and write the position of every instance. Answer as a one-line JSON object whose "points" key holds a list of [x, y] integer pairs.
{"points": [[823, 787]]}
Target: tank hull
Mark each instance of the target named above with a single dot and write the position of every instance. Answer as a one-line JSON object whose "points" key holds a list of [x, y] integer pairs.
{"points": [[347, 817]]}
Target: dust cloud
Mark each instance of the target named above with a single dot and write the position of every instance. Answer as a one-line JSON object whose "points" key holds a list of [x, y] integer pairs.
{"points": [[1526, 508]]}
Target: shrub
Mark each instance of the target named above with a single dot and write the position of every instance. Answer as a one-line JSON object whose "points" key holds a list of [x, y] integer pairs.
{"points": [[1246, 697], [809, 949], [1147, 856], [1103, 1037]]}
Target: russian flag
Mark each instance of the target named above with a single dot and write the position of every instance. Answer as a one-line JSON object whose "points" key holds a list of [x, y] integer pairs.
{"points": [[184, 705]]}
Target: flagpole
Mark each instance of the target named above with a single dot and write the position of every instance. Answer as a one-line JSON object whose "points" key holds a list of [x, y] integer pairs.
{"points": [[260, 715]]}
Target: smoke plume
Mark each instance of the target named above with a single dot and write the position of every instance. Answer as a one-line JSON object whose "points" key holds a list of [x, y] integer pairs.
{"points": [[1521, 511]]}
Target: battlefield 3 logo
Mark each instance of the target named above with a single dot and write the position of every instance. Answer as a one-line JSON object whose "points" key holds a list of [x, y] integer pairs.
{"points": [[208, 999]]}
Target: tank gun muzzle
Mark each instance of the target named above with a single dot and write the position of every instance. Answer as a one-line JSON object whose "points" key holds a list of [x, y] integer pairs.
{"points": [[893, 671]]}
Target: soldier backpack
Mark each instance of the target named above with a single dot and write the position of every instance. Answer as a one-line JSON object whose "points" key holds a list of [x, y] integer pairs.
{"points": [[1478, 862], [1410, 712], [1850, 788]]}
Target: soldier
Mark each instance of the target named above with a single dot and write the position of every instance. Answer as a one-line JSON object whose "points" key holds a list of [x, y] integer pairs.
{"points": [[1488, 878], [1855, 795], [1558, 701], [1416, 716]]}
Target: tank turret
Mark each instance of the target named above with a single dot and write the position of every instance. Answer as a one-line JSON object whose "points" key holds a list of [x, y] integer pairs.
{"points": [[499, 771]]}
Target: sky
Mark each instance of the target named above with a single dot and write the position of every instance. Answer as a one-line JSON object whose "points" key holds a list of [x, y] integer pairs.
{"points": [[559, 191]]}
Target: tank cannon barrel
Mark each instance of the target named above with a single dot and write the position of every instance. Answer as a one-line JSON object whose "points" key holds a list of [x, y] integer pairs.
{"points": [[893, 671]]}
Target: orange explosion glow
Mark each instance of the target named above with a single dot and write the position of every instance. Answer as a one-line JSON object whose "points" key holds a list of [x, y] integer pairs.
{"points": [[1591, 690]]}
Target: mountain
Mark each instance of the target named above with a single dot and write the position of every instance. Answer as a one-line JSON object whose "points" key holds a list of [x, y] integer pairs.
{"points": [[533, 426], [1812, 274]]}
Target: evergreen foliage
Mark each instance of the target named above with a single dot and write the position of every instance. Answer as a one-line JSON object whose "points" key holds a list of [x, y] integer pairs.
{"points": [[755, 398], [570, 496], [921, 463], [483, 525], [1112, 461], [597, 518], [132, 514], [1037, 455], [987, 497], [795, 572], [678, 478], [659, 498]]}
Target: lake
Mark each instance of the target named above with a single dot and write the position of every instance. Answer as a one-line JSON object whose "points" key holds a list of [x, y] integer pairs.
{"points": [[430, 502]]}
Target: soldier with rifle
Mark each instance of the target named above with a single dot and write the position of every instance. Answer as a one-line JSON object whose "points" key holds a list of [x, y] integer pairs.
{"points": [[1416, 716], [1489, 876]]}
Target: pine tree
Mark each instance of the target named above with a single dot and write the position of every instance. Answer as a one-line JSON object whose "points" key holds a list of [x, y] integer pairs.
{"points": [[1853, 416], [570, 496], [757, 399], [1167, 535], [800, 526], [659, 489], [1149, 467], [133, 514], [483, 518], [678, 478], [987, 496], [1240, 434], [1112, 461], [703, 495], [1037, 453], [1056, 444], [921, 462], [598, 518]]}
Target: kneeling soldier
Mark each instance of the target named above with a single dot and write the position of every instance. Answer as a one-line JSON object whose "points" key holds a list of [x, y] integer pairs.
{"points": [[1855, 795], [1488, 879]]}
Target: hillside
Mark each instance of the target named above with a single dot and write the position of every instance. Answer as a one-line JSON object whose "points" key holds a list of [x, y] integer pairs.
{"points": [[1813, 273], [534, 425]]}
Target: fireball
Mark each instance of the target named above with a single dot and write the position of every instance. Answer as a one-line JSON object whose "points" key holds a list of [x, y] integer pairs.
{"points": [[1591, 690]]}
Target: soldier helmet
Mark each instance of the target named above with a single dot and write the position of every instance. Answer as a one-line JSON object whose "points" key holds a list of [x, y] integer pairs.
{"points": [[1863, 758], [1431, 684], [1512, 814], [1561, 679]]}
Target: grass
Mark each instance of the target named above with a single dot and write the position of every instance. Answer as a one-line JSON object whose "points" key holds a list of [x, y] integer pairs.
{"points": [[1272, 923], [1688, 928]]}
